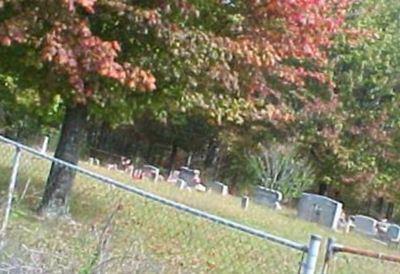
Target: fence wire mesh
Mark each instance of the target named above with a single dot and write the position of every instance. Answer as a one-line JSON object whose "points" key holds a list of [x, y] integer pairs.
{"points": [[112, 231]]}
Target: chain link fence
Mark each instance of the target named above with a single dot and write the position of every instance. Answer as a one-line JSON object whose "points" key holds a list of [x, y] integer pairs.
{"points": [[120, 228]]}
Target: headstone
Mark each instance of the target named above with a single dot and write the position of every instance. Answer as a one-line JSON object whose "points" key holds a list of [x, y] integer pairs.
{"points": [[319, 209], [190, 176], [245, 202], [268, 197], [365, 225], [137, 174], [152, 172], [181, 184], [94, 162], [200, 187], [45, 144], [393, 233], [219, 188], [126, 164], [112, 167], [173, 176], [277, 206]]}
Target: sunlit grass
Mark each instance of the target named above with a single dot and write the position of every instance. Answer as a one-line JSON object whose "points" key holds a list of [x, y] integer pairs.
{"points": [[151, 238]]}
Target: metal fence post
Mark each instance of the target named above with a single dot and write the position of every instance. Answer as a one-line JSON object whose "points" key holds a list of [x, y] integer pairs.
{"points": [[311, 259], [329, 253], [11, 189]]}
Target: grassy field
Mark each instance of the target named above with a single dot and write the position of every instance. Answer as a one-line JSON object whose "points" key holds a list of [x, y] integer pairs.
{"points": [[111, 231]]}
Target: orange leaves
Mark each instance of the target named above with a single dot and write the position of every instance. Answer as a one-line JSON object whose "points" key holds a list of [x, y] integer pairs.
{"points": [[77, 52], [276, 31], [139, 79]]}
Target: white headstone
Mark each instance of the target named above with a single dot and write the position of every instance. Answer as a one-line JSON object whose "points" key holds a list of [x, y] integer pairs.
{"points": [[45, 144], [393, 233], [365, 225], [245, 202], [219, 188], [173, 176], [266, 196], [200, 187], [319, 209], [181, 184]]}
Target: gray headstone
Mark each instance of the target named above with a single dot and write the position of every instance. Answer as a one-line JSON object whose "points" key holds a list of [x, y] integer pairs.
{"points": [[188, 175], [219, 188], [245, 202], [152, 172], [319, 209], [365, 225], [266, 196], [393, 233]]}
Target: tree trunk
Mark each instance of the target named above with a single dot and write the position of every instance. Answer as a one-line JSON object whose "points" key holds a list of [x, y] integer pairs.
{"points": [[149, 153], [212, 154], [381, 206], [172, 157], [323, 189], [61, 178], [389, 211]]}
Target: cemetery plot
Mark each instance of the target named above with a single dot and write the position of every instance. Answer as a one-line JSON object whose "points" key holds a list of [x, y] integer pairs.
{"points": [[365, 225], [319, 209], [219, 188], [268, 197]]}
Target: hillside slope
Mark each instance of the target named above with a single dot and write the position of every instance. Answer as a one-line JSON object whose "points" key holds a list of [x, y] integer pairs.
{"points": [[111, 231]]}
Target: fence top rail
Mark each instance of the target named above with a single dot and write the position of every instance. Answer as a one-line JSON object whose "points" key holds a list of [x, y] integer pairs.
{"points": [[367, 253], [196, 212]]}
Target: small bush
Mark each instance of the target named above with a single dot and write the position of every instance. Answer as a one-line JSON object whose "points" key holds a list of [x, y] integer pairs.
{"points": [[277, 168]]}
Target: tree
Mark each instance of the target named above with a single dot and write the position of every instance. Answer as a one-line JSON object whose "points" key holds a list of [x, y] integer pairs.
{"points": [[353, 142], [59, 34], [231, 57]]}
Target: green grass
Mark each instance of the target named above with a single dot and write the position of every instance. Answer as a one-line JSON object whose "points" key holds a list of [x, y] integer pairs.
{"points": [[146, 237]]}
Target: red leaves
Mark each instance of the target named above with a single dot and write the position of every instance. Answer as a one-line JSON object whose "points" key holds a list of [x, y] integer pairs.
{"points": [[301, 30], [75, 51]]}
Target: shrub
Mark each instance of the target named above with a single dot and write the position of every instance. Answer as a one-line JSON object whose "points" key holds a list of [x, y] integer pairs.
{"points": [[277, 168]]}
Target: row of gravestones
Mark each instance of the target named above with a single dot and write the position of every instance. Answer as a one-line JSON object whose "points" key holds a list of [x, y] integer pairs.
{"points": [[328, 212], [190, 178], [311, 207], [186, 178]]}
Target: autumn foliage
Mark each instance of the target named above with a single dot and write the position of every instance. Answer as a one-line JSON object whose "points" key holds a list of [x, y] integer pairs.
{"points": [[278, 32], [73, 49], [284, 39]]}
